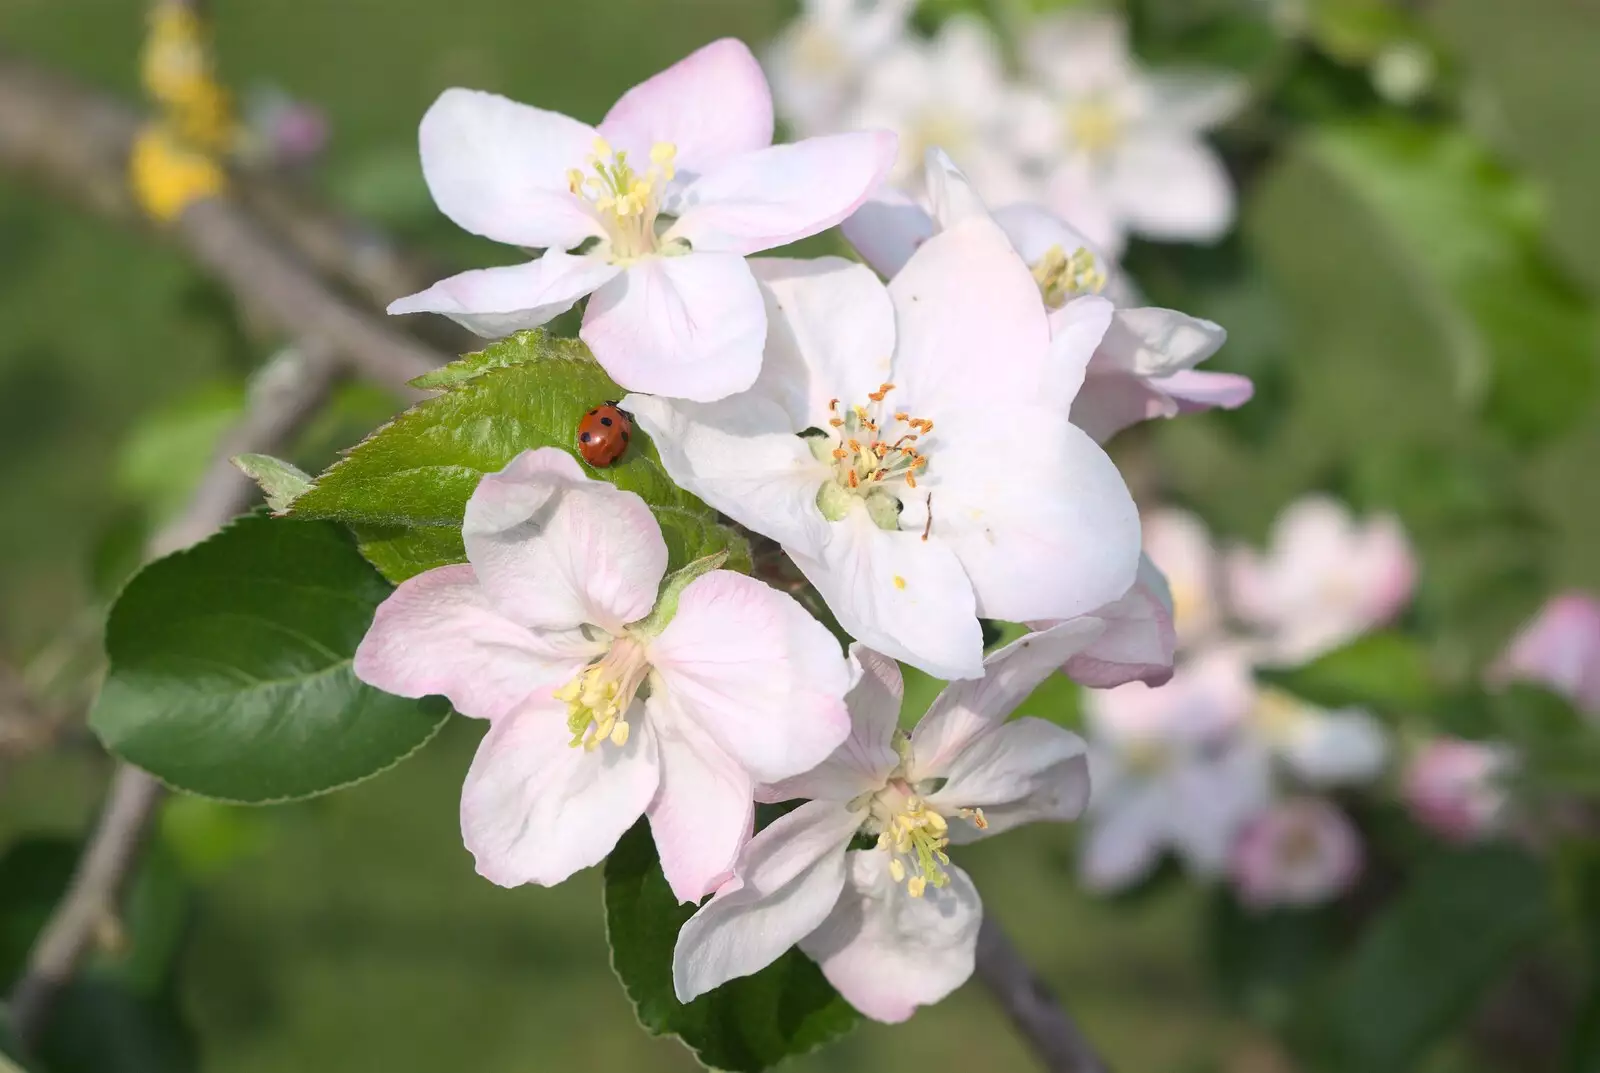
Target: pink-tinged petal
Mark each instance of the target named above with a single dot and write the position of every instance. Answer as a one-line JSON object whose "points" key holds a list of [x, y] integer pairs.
{"points": [[887, 229], [499, 169], [1111, 399], [1455, 787], [1179, 545], [951, 198], [1082, 198], [1559, 649], [1152, 342], [687, 327], [888, 953], [965, 711], [781, 194], [712, 104], [1124, 839], [1140, 640], [786, 882], [762, 677], [703, 809], [1303, 852], [495, 302], [906, 597], [438, 633], [830, 336], [1195, 391], [743, 457], [1032, 556], [867, 756], [973, 336], [1172, 189], [534, 809], [1076, 331], [1024, 771], [1208, 698], [555, 549], [1034, 230]]}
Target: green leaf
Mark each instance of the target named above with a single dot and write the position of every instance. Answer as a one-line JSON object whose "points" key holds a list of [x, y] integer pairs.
{"points": [[744, 1026], [1432, 955], [231, 669], [1386, 672], [1522, 334], [528, 391], [282, 482], [1263, 959]]}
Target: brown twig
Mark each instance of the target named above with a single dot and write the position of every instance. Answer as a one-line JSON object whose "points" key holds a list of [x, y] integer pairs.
{"points": [[1052, 1034]]}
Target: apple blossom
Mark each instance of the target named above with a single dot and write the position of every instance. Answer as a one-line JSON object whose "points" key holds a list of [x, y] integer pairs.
{"points": [[653, 212], [1301, 852], [604, 701], [1327, 579], [1125, 145], [909, 448], [894, 926], [1318, 747], [1138, 643], [1453, 787], [1171, 770], [1560, 649], [817, 62], [1144, 365]]}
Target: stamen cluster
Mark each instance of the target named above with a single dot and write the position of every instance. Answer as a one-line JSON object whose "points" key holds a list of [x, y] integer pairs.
{"points": [[627, 201]]}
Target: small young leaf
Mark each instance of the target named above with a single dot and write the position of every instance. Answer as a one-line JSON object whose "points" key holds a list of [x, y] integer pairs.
{"points": [[1386, 672], [231, 668], [282, 482], [744, 1026]]}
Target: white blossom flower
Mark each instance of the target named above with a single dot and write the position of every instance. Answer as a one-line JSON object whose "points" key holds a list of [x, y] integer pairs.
{"points": [[604, 702], [894, 926], [909, 448], [658, 207], [1144, 367], [1301, 852], [1327, 579], [1455, 788], [1126, 144], [1559, 649], [817, 63], [1171, 770], [949, 93]]}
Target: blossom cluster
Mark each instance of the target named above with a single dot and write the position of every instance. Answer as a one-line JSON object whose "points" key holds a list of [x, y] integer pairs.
{"points": [[926, 450], [1081, 127]]}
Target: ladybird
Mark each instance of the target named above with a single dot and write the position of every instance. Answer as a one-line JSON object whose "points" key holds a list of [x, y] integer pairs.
{"points": [[603, 435]]}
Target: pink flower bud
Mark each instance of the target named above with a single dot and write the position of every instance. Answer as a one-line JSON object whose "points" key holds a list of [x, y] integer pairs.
{"points": [[1301, 852], [1452, 788]]}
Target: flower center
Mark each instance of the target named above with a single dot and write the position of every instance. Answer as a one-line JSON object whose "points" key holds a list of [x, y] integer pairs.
{"points": [[1062, 277], [1299, 847], [598, 699], [910, 830], [1147, 759], [626, 201], [1093, 125], [871, 456]]}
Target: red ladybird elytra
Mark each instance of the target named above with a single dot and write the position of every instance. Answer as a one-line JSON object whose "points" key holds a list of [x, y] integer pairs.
{"points": [[603, 435]]}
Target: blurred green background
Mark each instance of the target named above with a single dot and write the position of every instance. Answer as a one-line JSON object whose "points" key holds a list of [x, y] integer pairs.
{"points": [[350, 933]]}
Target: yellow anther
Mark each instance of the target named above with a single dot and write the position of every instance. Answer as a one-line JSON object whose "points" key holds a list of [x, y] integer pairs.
{"points": [[977, 817], [1061, 277], [916, 886], [598, 699], [899, 582], [897, 871], [600, 147]]}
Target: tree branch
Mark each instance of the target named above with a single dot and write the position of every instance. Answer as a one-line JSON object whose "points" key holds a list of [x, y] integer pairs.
{"points": [[283, 397], [1052, 1034]]}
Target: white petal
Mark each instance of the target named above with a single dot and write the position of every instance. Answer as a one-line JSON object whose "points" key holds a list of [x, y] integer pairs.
{"points": [[895, 592], [499, 169], [972, 333], [888, 953], [966, 711], [1124, 838], [1024, 771], [710, 105], [951, 198], [439, 634], [1083, 197], [775, 196], [1337, 748], [1140, 638], [1160, 342], [1194, 99], [495, 302], [867, 756], [1062, 542], [887, 229], [555, 550], [1212, 802], [1172, 189], [1076, 331], [687, 327], [786, 882], [830, 336], [755, 671], [1035, 230], [1111, 399], [743, 457], [703, 809], [535, 810]]}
